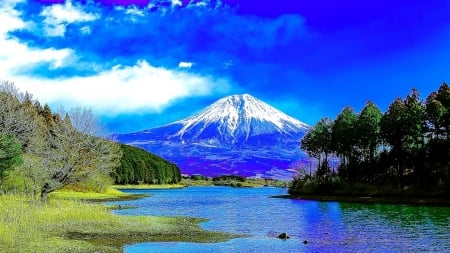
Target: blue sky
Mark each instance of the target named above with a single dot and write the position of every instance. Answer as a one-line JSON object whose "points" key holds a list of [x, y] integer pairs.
{"points": [[140, 63]]}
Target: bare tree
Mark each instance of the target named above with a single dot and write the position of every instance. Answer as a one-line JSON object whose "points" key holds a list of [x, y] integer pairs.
{"points": [[59, 149], [74, 155], [16, 118]]}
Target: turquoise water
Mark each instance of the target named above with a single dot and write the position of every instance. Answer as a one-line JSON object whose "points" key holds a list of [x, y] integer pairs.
{"points": [[327, 226]]}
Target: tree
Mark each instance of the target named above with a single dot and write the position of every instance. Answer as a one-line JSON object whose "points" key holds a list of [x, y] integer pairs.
{"points": [[402, 127], [343, 138], [392, 125], [443, 96], [368, 137], [317, 143], [310, 145], [368, 129], [16, 119], [435, 112], [74, 155], [10, 153], [58, 150], [438, 145], [408, 145]]}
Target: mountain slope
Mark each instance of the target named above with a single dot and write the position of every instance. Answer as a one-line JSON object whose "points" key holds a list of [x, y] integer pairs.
{"points": [[238, 134]]}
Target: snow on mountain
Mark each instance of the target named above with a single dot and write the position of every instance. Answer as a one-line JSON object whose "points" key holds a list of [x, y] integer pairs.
{"points": [[237, 134], [238, 117]]}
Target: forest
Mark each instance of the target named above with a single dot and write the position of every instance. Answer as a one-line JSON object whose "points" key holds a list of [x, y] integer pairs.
{"points": [[138, 166], [404, 151], [42, 151]]}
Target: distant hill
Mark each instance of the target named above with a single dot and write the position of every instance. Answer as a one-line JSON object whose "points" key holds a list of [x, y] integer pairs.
{"points": [[238, 135], [140, 166]]}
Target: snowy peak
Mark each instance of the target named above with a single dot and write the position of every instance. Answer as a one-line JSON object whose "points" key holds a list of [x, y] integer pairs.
{"points": [[238, 117], [238, 134]]}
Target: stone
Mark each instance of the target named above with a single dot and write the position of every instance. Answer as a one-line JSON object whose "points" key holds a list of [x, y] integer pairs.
{"points": [[284, 236]]}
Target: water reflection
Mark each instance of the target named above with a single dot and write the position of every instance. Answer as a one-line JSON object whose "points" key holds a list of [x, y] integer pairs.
{"points": [[328, 226]]}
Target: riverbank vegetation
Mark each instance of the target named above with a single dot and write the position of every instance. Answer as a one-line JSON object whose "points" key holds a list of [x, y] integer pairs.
{"points": [[73, 226], [403, 152], [232, 181], [52, 164], [42, 151]]}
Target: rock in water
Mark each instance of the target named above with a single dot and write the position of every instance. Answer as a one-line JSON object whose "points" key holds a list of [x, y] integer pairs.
{"points": [[284, 236]]}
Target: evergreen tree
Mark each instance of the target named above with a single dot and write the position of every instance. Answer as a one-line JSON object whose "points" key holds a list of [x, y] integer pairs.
{"points": [[317, 142], [10, 153], [368, 137], [344, 141]]}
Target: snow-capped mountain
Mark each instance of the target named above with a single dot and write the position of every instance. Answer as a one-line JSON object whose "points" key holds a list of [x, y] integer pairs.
{"points": [[238, 134]]}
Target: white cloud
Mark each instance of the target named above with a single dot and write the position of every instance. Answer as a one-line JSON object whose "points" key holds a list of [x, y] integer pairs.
{"points": [[122, 89], [9, 17], [177, 3], [57, 16], [184, 64], [113, 91], [14, 55], [133, 10]]}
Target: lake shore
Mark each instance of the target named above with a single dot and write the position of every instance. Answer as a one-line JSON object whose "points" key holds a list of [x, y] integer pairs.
{"points": [[71, 222], [148, 186], [372, 200]]}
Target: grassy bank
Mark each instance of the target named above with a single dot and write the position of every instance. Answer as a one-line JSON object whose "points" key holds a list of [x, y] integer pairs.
{"points": [[110, 195], [75, 226], [333, 190]]}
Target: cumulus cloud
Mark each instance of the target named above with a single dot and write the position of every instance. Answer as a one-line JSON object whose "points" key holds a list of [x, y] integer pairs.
{"points": [[122, 88], [127, 59], [177, 3], [184, 64], [9, 17], [15, 55], [58, 16]]}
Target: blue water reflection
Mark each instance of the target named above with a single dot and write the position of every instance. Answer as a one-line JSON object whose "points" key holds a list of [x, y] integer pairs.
{"points": [[328, 226]]}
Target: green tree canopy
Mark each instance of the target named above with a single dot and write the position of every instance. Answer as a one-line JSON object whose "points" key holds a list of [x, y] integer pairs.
{"points": [[368, 130], [10, 153], [343, 134], [139, 166]]}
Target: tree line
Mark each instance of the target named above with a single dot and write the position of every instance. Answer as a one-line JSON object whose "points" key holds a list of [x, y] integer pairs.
{"points": [[42, 151], [139, 166], [407, 147]]}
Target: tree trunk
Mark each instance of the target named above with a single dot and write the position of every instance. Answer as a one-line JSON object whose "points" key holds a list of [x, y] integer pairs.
{"points": [[46, 189]]}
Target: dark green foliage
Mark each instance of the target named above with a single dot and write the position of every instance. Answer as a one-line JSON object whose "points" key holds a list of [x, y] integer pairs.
{"points": [[229, 177], [198, 178], [406, 150], [318, 143], [10, 153], [139, 166]]}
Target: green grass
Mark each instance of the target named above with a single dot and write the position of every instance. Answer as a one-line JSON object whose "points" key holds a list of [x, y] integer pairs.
{"points": [[69, 194], [74, 226]]}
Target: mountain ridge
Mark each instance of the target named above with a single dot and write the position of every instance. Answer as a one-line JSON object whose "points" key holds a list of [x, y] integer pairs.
{"points": [[237, 134]]}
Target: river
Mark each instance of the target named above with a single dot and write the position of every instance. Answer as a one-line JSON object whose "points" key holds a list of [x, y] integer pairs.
{"points": [[326, 226]]}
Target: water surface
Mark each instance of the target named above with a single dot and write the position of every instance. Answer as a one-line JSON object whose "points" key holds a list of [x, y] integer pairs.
{"points": [[327, 226]]}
